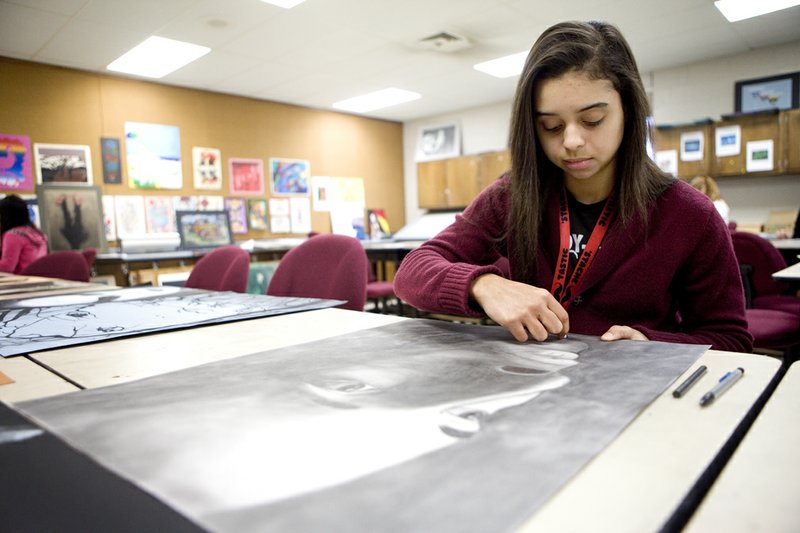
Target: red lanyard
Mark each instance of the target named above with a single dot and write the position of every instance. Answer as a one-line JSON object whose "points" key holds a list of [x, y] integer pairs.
{"points": [[564, 289]]}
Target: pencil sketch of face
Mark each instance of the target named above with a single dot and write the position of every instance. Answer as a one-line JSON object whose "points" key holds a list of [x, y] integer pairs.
{"points": [[270, 426]]}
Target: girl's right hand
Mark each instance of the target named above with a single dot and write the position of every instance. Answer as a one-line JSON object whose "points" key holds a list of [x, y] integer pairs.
{"points": [[524, 310]]}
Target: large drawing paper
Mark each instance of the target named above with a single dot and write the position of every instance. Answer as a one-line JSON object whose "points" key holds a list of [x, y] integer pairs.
{"points": [[416, 426], [35, 324]]}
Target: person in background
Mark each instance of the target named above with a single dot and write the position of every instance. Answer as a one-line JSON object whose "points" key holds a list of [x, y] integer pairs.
{"points": [[707, 186], [23, 243], [599, 240]]}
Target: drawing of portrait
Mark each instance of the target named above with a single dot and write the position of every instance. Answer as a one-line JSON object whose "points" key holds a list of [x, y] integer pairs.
{"points": [[63, 163], [15, 162], [290, 176], [72, 217]]}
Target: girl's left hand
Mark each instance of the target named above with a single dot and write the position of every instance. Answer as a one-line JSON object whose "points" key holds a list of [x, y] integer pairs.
{"points": [[616, 333]]}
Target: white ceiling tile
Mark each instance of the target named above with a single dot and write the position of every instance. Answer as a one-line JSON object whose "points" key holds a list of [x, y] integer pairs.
{"points": [[26, 30]]}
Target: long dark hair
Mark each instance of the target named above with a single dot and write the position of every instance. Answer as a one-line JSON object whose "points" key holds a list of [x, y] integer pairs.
{"points": [[14, 213], [598, 50]]}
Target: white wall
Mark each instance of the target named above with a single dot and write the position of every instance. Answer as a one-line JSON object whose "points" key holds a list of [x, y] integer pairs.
{"points": [[683, 94]]}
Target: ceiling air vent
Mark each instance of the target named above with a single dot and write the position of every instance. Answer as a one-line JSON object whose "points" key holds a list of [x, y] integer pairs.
{"points": [[444, 42]]}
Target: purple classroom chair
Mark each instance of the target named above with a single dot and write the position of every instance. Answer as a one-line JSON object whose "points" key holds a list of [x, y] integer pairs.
{"points": [[326, 266], [66, 264], [763, 260], [224, 269]]}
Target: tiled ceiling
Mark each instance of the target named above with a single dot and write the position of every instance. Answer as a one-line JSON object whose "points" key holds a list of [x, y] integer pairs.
{"points": [[327, 50]]}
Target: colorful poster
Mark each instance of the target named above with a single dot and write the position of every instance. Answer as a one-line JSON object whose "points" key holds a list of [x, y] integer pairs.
{"points": [[237, 212], [246, 176], [16, 171], [154, 156], [112, 164], [289, 176], [159, 214], [257, 214], [207, 168]]}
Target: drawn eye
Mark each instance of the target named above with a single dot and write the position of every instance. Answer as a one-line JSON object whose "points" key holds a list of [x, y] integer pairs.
{"points": [[354, 387]]}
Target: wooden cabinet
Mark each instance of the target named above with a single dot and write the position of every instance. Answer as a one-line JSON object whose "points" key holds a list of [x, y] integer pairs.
{"points": [[453, 183], [693, 143], [753, 127], [791, 123]]}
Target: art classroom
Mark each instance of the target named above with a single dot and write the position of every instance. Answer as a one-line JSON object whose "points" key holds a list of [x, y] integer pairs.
{"points": [[237, 297]]}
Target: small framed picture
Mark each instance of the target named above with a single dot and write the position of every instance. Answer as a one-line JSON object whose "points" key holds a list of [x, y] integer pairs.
{"points": [[773, 92], [246, 176], [439, 142], [63, 163]]}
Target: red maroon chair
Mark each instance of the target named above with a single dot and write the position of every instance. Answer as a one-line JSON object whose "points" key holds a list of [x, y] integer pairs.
{"points": [[763, 260], [224, 269], [326, 266], [89, 254], [67, 264]]}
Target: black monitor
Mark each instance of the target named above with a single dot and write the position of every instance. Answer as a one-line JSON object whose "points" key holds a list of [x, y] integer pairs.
{"points": [[203, 229]]}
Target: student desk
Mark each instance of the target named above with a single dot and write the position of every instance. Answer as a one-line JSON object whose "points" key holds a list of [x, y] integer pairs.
{"points": [[635, 484], [759, 489], [790, 273]]}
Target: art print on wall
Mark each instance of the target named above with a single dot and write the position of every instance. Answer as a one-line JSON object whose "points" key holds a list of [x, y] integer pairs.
{"points": [[72, 217], [257, 214], [207, 168], [130, 215], [153, 154], [246, 176], [773, 92], [112, 162], [16, 170], [438, 142], [279, 219], [289, 176], [159, 214], [63, 163], [237, 212]]}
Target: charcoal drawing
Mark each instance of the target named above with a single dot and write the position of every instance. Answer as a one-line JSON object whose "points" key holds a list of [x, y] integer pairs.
{"points": [[416, 426], [34, 324]]}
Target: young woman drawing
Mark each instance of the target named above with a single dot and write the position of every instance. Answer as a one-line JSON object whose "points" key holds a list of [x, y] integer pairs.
{"points": [[23, 243], [599, 240]]}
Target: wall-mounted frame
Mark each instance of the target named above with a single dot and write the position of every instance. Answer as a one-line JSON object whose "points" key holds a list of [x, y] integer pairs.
{"points": [[773, 92], [63, 163], [438, 142], [71, 216]]}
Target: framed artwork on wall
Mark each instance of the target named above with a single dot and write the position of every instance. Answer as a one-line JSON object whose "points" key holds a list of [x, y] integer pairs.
{"points": [[246, 176], [438, 142], [289, 176], [112, 163], [63, 163], [72, 216], [773, 92]]}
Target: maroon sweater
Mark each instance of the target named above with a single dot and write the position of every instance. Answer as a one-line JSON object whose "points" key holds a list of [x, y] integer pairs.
{"points": [[675, 279]]}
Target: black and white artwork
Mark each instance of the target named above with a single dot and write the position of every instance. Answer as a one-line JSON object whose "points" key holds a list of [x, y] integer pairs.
{"points": [[35, 324], [416, 426]]}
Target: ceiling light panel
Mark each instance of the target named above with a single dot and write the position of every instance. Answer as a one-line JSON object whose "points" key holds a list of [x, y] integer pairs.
{"points": [[503, 67], [376, 100], [156, 57], [735, 10]]}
